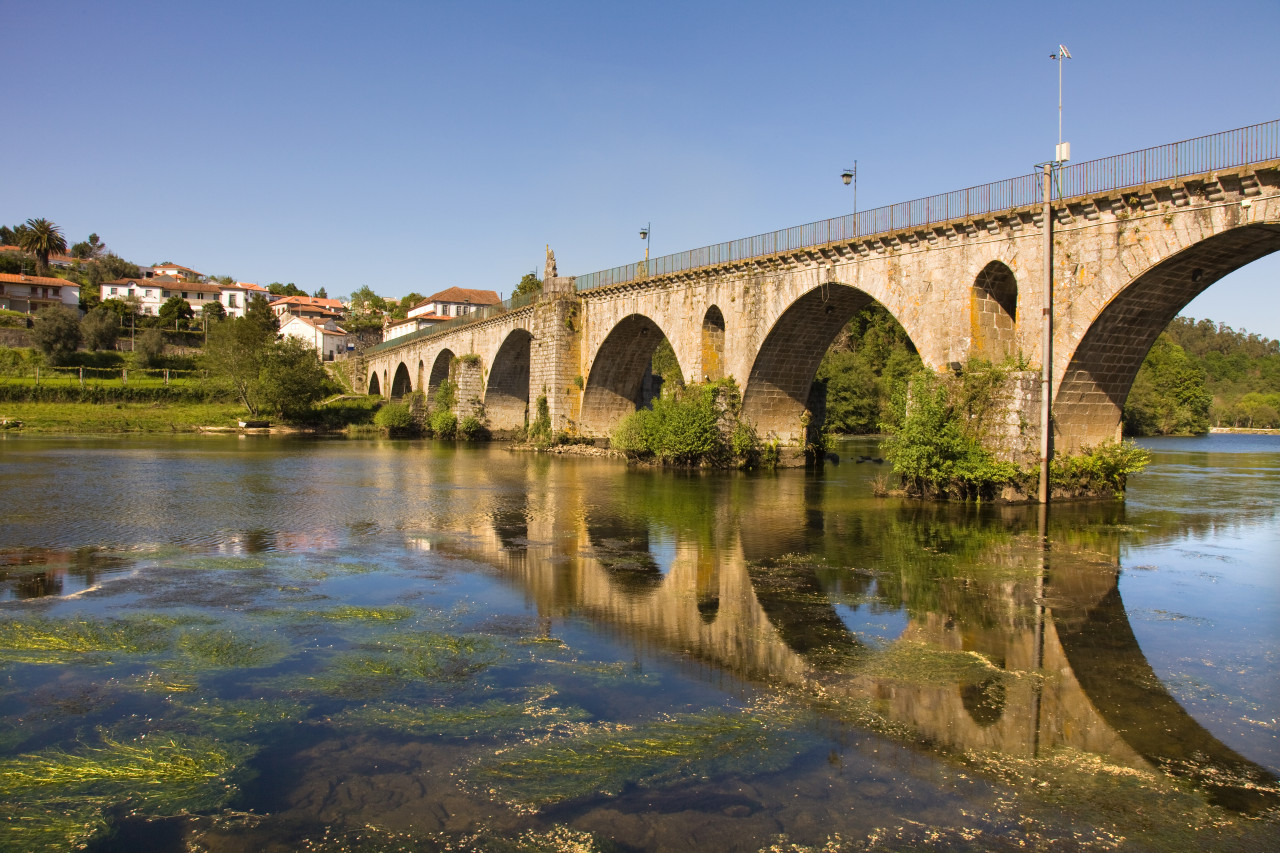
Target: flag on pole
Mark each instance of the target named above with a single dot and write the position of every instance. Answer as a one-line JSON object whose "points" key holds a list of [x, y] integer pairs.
{"points": [[1066, 54]]}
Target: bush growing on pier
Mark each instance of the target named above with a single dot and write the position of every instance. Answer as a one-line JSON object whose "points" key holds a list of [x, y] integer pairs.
{"points": [[694, 425], [394, 418], [937, 431]]}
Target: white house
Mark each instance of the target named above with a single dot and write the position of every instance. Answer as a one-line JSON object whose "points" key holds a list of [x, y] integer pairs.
{"points": [[29, 293], [455, 302], [326, 338], [154, 292], [400, 328], [175, 270]]}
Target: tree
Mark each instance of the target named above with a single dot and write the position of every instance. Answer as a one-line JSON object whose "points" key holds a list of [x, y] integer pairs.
{"points": [[112, 268], [213, 311], [530, 284], [100, 327], [1168, 396], [42, 238], [291, 379], [148, 349], [321, 294], [267, 376], [56, 332], [90, 249], [365, 299], [258, 311], [174, 310], [277, 289]]}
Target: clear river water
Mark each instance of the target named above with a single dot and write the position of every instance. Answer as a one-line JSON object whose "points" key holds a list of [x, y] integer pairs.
{"points": [[278, 644]]}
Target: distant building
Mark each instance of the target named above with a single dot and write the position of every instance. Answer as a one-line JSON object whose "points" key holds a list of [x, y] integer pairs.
{"points": [[176, 271], [455, 302], [400, 328], [30, 293], [325, 337], [151, 293], [309, 307]]}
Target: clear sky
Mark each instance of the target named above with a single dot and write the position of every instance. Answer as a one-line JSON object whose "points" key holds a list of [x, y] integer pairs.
{"points": [[413, 146]]}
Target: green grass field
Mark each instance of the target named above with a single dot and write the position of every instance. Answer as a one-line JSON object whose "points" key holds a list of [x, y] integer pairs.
{"points": [[89, 418]]}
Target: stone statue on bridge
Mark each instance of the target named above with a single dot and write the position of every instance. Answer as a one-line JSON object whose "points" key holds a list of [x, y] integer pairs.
{"points": [[550, 272]]}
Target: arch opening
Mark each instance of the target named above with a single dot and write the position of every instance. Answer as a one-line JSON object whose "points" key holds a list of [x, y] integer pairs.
{"points": [[621, 379], [777, 395], [420, 384], [993, 312], [713, 344], [401, 384], [375, 389], [439, 371], [1090, 399], [506, 398]]}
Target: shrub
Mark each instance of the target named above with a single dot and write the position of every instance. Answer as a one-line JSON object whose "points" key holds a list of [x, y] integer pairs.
{"points": [[99, 329], [12, 319], [56, 331], [148, 348], [444, 424], [539, 432], [393, 417], [1105, 468], [472, 429]]}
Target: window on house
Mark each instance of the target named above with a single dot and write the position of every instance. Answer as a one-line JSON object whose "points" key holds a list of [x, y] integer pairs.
{"points": [[231, 300], [113, 291], [146, 292], [184, 294], [164, 294]]}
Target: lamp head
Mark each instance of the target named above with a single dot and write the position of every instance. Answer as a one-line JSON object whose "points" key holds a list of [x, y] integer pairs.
{"points": [[847, 176]]}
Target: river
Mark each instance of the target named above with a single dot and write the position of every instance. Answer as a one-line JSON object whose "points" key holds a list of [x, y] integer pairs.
{"points": [[273, 644]]}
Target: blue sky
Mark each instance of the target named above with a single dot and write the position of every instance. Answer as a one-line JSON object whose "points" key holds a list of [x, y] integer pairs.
{"points": [[414, 146]]}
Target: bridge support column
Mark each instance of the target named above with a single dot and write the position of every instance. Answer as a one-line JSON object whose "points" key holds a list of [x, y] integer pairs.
{"points": [[554, 361], [469, 376]]}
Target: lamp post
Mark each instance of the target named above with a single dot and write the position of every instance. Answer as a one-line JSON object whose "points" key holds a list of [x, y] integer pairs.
{"points": [[1061, 154], [850, 176], [644, 235]]}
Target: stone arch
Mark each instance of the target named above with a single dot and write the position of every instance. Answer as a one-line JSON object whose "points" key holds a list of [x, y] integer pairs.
{"points": [[1101, 370], [439, 371], [713, 344], [616, 383], [993, 312], [506, 398], [401, 385], [777, 392], [374, 386]]}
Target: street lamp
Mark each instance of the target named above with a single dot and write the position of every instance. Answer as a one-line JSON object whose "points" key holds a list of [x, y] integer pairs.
{"points": [[644, 235], [850, 176]]}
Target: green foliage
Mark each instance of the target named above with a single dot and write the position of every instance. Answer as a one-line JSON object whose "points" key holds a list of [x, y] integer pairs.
{"points": [[275, 288], [855, 382], [444, 424], [257, 311], [446, 396], [99, 328], [690, 426], [41, 238], [540, 428], [1236, 366], [364, 300], [12, 319], [529, 284], [1168, 396], [665, 366], [1105, 468], [934, 439], [213, 311], [175, 310], [393, 417], [292, 379], [148, 348], [56, 332], [472, 429]]}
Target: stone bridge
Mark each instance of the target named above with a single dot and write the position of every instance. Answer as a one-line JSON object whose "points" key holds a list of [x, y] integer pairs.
{"points": [[962, 272]]}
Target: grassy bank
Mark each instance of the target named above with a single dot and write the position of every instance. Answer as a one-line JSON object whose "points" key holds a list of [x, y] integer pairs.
{"points": [[120, 417]]}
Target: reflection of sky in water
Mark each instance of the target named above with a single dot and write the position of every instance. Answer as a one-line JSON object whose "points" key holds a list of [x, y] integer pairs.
{"points": [[874, 626], [1204, 597], [662, 545]]}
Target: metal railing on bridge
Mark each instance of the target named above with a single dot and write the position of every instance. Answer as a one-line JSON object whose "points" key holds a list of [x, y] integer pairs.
{"points": [[1232, 148], [1255, 144]]}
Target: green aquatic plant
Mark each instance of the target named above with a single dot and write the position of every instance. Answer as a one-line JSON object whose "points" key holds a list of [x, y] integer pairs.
{"points": [[605, 758], [56, 799], [912, 662], [219, 648], [495, 718], [78, 640], [483, 839], [353, 613], [233, 719]]}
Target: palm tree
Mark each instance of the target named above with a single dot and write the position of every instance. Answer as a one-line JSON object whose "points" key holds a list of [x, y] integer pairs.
{"points": [[42, 238]]}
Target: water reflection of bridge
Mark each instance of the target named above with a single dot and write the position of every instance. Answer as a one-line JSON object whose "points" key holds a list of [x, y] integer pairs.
{"points": [[1006, 648]]}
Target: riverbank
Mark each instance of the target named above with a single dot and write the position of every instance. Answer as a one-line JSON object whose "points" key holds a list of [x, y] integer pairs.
{"points": [[170, 417], [1242, 431]]}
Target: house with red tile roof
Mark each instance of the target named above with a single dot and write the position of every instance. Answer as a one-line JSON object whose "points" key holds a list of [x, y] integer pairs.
{"points": [[30, 293], [400, 328], [307, 306], [324, 336], [151, 293], [455, 302], [178, 271]]}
